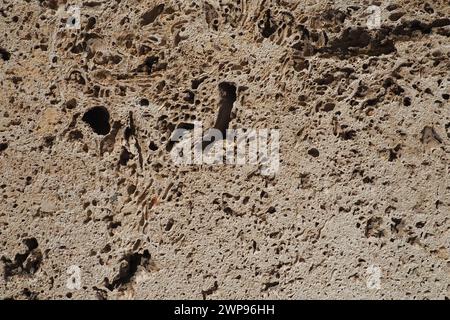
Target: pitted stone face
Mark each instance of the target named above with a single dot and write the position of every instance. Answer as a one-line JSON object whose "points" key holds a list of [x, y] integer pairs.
{"points": [[97, 97]]}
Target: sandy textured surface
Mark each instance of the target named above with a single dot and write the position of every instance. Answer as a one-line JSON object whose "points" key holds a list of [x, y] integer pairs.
{"points": [[92, 205]]}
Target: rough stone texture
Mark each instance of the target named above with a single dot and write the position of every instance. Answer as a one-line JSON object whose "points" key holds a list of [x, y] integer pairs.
{"points": [[87, 180]]}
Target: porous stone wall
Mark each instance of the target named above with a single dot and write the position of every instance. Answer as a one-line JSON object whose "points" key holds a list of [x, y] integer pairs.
{"points": [[92, 205]]}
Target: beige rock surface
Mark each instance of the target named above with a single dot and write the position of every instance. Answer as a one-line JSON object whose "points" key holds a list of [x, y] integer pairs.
{"points": [[93, 206]]}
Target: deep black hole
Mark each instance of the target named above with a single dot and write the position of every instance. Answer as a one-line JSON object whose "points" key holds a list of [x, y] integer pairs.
{"points": [[407, 101], [313, 152], [98, 119], [169, 224], [125, 156], [91, 23], [148, 64], [31, 243], [144, 102], [153, 146], [5, 54], [151, 15], [269, 27]]}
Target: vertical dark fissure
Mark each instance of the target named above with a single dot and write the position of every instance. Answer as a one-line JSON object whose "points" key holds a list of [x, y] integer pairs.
{"points": [[228, 97]]}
